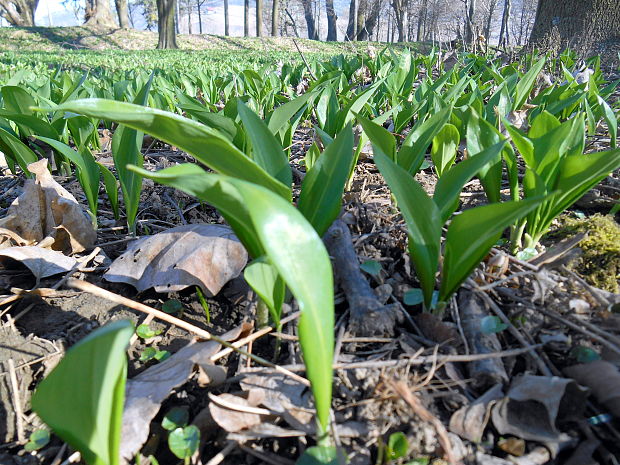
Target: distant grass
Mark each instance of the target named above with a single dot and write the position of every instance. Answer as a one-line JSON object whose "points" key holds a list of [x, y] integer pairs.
{"points": [[126, 48]]}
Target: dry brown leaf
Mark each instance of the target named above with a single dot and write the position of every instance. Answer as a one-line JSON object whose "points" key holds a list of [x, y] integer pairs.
{"points": [[145, 393], [236, 413], [531, 409], [603, 379], [205, 255], [45, 210], [41, 262], [470, 421]]}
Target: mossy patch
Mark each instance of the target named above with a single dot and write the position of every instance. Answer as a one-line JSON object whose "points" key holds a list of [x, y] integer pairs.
{"points": [[600, 263]]}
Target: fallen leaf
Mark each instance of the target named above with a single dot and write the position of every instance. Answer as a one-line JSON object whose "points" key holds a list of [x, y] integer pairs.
{"points": [[205, 255], [235, 413], [470, 421], [41, 262], [145, 393], [512, 446], [531, 409], [603, 379], [46, 210]]}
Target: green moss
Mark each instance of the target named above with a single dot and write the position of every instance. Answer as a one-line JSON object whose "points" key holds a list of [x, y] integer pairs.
{"points": [[600, 263]]}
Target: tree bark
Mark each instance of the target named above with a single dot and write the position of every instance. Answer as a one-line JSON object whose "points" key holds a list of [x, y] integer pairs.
{"points": [[226, 19], [352, 24], [123, 13], [401, 8], [259, 18], [503, 32], [189, 17], [275, 17], [19, 12], [165, 24], [246, 18], [310, 23], [332, 31], [199, 8], [487, 26], [470, 17], [583, 25], [422, 21], [97, 13]]}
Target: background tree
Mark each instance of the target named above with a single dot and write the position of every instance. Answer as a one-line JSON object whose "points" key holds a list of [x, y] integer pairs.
{"points": [[503, 32], [275, 17], [332, 31], [19, 12], [259, 18], [165, 24], [308, 6], [123, 13], [583, 25], [401, 12], [226, 20], [246, 18], [352, 24], [97, 13]]}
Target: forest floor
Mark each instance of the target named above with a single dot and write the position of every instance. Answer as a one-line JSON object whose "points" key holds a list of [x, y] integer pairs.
{"points": [[460, 393]]}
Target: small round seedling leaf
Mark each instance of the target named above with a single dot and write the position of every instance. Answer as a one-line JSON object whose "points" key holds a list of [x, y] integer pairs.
{"points": [[161, 355], [148, 354], [492, 325], [372, 267], [413, 297], [183, 442], [176, 417], [527, 254], [38, 439], [145, 332], [397, 446], [172, 306], [584, 354]]}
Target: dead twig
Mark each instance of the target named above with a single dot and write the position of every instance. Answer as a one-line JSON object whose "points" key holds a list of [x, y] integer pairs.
{"points": [[17, 403], [96, 290]]}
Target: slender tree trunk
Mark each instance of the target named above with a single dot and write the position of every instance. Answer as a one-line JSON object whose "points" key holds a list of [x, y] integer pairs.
{"points": [[226, 19], [580, 24], [469, 21], [259, 18], [165, 24], [503, 32], [19, 12], [401, 12], [362, 8], [97, 13], [246, 18], [487, 26], [123, 13], [310, 23], [422, 21], [352, 24], [189, 17], [293, 22], [199, 7], [275, 17], [332, 30]]}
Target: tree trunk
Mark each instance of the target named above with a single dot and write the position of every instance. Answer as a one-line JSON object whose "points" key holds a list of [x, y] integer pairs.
{"points": [[332, 31], [259, 18], [97, 13], [503, 32], [226, 19], [123, 13], [400, 8], [165, 24], [487, 26], [422, 21], [470, 17], [352, 24], [583, 25], [189, 17], [199, 8], [275, 17], [246, 18], [367, 20], [309, 15], [19, 12]]}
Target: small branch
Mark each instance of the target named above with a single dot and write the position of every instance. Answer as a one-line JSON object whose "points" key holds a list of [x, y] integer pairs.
{"points": [[304, 60]]}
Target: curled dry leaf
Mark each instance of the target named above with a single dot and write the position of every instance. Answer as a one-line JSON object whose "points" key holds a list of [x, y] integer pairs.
{"points": [[145, 393], [46, 210], [235, 413], [603, 379], [470, 421], [41, 262], [205, 255], [535, 404]]}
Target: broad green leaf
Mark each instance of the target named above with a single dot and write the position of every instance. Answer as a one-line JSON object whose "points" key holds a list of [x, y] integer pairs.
{"points": [[480, 136], [380, 137], [31, 125], [126, 146], [610, 119], [398, 446], [470, 237], [82, 398], [264, 279], [526, 83], [423, 222], [266, 150], [176, 417], [443, 151], [320, 200], [283, 115], [414, 147], [111, 188], [450, 185], [38, 439], [206, 144], [17, 150], [17, 100]]}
